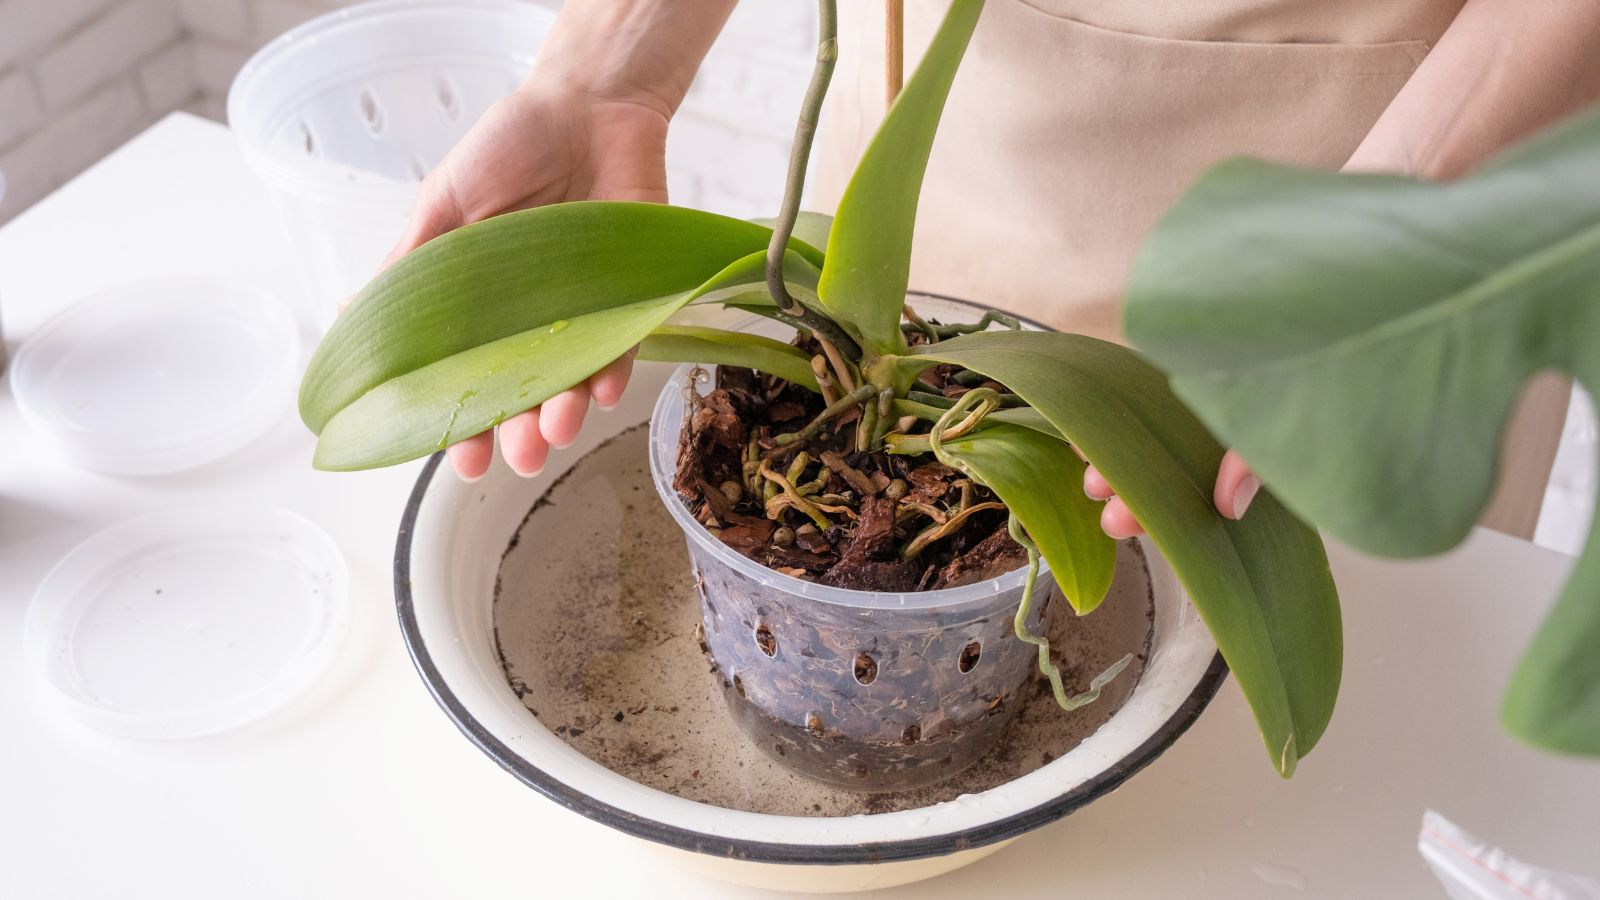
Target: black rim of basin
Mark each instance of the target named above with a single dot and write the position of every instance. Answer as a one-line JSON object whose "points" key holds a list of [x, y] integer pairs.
{"points": [[766, 851]]}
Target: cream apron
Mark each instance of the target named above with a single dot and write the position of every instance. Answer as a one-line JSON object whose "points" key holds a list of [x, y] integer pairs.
{"points": [[1073, 124]]}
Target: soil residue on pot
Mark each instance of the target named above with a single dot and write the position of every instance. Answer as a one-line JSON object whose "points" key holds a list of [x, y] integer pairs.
{"points": [[597, 623]]}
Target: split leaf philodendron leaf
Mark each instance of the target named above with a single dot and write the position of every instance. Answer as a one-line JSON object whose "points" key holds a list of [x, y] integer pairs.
{"points": [[714, 346], [869, 249], [1018, 463], [511, 274], [1261, 584], [1361, 340], [424, 410]]}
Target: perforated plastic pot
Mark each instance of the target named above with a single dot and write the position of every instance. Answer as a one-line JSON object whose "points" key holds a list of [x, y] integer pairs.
{"points": [[865, 690], [342, 117]]}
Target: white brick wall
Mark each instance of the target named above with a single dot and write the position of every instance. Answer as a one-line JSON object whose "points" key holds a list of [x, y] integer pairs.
{"points": [[77, 78]]}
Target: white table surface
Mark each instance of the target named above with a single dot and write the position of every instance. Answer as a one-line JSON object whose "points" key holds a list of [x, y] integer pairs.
{"points": [[364, 788]]}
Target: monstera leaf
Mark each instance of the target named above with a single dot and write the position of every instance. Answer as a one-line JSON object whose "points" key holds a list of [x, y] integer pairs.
{"points": [[869, 249], [1361, 340], [1261, 584]]}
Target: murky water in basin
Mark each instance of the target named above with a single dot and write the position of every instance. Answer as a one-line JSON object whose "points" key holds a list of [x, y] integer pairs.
{"points": [[595, 615]]}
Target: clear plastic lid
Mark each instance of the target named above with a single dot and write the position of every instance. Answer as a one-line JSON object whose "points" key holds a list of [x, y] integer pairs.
{"points": [[189, 621], [158, 376]]}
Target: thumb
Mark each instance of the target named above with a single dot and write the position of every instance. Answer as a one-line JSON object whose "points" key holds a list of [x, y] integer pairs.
{"points": [[434, 213]]}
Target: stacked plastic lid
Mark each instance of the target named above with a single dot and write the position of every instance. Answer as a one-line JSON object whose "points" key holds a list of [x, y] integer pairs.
{"points": [[190, 620]]}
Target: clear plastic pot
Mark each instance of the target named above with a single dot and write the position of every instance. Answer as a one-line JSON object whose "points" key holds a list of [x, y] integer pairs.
{"points": [[871, 691], [343, 115]]}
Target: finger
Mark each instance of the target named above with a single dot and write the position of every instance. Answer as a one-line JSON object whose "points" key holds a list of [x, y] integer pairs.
{"points": [[470, 458], [1096, 486], [1118, 521], [606, 385], [523, 447], [562, 416], [1236, 486]]}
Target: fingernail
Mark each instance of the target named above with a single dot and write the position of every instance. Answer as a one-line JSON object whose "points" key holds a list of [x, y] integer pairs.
{"points": [[604, 407], [555, 446], [469, 480], [534, 474], [1243, 494]]}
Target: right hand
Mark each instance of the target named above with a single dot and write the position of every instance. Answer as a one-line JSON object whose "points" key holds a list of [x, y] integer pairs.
{"points": [[543, 145]]}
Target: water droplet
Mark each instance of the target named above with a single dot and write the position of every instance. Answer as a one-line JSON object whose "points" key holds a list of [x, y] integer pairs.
{"points": [[559, 325], [1280, 875]]}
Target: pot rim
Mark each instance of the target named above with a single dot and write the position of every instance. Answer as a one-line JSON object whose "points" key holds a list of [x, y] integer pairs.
{"points": [[663, 471], [633, 824]]}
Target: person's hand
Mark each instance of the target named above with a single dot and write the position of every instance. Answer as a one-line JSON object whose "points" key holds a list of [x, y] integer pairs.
{"points": [[589, 124], [534, 147], [1236, 487]]}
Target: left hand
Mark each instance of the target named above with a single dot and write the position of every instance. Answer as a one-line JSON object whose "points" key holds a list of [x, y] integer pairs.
{"points": [[1236, 487]]}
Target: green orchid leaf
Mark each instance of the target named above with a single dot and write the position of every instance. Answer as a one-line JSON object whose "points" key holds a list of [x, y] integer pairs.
{"points": [[1261, 584], [714, 346], [1361, 340], [1025, 416], [1041, 480], [810, 228], [869, 249], [798, 274], [512, 274], [426, 409]]}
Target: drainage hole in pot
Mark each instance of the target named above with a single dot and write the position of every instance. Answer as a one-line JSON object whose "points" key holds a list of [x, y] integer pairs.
{"points": [[371, 112], [738, 685], [449, 100], [768, 643], [814, 723], [866, 669], [969, 656], [912, 734]]}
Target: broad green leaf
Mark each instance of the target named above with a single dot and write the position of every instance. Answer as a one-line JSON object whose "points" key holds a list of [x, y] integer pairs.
{"points": [[869, 249], [715, 346], [798, 274], [428, 408], [1261, 584], [809, 227], [1025, 416], [1041, 480], [1361, 340], [511, 274]]}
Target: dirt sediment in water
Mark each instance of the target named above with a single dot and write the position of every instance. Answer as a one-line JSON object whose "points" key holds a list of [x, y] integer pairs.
{"points": [[596, 619]]}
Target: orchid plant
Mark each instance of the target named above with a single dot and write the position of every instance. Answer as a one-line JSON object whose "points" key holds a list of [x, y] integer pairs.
{"points": [[496, 317]]}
